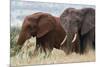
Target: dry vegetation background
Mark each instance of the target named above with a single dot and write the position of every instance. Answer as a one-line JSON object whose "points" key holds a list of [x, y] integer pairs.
{"points": [[26, 56]]}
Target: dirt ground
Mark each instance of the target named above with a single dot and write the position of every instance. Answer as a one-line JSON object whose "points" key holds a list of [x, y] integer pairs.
{"points": [[26, 57]]}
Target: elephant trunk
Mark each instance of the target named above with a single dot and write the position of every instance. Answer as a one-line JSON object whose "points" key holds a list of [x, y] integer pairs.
{"points": [[71, 38], [69, 46], [21, 39], [20, 42]]}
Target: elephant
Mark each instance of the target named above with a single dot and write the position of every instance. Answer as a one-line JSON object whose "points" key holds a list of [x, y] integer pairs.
{"points": [[47, 29], [79, 23]]}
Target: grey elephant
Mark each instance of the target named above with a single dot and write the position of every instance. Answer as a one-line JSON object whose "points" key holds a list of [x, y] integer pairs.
{"points": [[79, 23]]}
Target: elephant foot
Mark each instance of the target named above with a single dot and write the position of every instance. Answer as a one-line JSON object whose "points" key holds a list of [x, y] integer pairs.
{"points": [[48, 52]]}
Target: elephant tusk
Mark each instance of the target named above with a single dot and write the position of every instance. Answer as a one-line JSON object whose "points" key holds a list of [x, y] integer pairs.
{"points": [[63, 40], [74, 38]]}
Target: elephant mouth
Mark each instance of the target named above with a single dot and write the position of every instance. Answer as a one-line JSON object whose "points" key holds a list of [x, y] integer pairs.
{"points": [[65, 38]]}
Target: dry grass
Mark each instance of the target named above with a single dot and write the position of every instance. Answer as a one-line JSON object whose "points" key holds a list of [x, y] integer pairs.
{"points": [[26, 57]]}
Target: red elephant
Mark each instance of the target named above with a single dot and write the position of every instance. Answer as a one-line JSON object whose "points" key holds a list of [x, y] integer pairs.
{"points": [[47, 29]]}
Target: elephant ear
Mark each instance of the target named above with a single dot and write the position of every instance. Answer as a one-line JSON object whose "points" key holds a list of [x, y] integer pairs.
{"points": [[88, 21], [45, 25], [35, 15]]}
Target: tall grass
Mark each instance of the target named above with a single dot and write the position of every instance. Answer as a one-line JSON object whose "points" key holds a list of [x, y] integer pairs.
{"points": [[14, 31], [26, 54]]}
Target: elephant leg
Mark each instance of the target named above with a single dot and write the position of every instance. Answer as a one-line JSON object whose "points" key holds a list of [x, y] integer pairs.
{"points": [[90, 44], [92, 37], [93, 45], [48, 48], [36, 51], [81, 45], [40, 50], [45, 50], [85, 44], [76, 46]]}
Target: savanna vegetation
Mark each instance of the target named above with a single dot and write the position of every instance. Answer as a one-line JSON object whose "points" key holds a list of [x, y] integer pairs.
{"points": [[14, 31], [25, 55]]}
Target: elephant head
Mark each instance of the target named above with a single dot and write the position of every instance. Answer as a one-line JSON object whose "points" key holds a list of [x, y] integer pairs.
{"points": [[77, 22], [37, 24]]}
